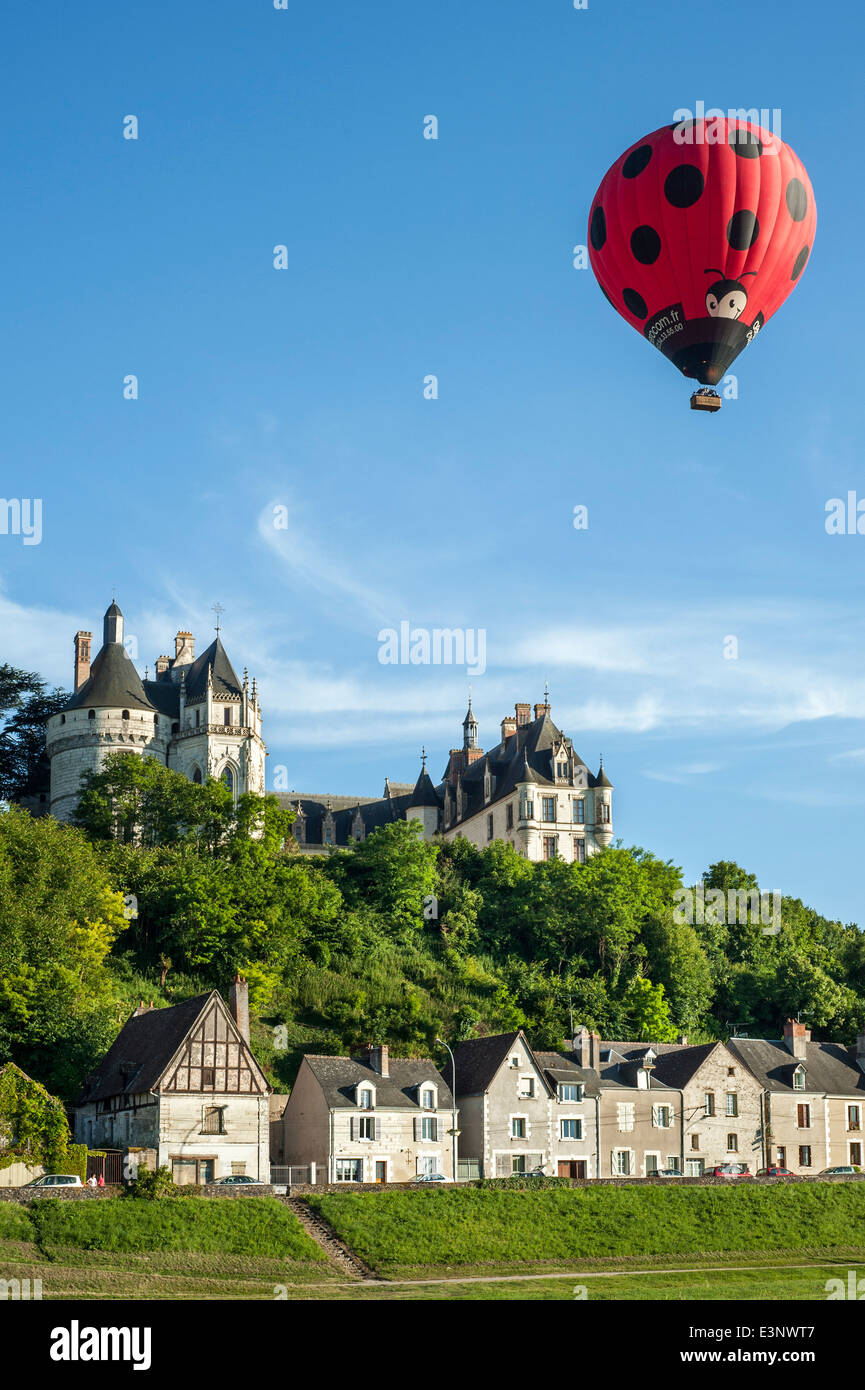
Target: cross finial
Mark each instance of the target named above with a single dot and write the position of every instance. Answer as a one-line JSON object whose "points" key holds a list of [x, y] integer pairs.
{"points": [[546, 692], [423, 759], [218, 610]]}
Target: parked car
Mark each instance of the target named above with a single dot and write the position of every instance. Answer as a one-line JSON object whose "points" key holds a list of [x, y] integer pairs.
{"points": [[841, 1168], [237, 1180], [56, 1180], [730, 1170], [666, 1173], [774, 1172], [430, 1177]]}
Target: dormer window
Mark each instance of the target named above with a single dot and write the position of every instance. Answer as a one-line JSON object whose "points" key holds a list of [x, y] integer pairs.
{"points": [[428, 1097], [799, 1079], [571, 1091], [365, 1096]]}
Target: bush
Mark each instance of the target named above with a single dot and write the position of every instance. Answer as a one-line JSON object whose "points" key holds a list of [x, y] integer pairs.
{"points": [[152, 1185]]}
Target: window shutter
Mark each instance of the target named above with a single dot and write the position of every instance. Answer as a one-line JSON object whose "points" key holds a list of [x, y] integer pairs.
{"points": [[351, 1128], [377, 1123], [435, 1130], [416, 1128]]}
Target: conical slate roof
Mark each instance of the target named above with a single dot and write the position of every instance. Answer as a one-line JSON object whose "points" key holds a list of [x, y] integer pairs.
{"points": [[113, 683], [225, 681], [424, 793]]}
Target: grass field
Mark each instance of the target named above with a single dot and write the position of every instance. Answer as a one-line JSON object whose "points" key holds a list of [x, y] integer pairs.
{"points": [[721, 1244], [406, 1234]]}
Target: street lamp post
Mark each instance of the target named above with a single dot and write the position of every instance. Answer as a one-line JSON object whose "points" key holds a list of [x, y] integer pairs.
{"points": [[454, 1130]]}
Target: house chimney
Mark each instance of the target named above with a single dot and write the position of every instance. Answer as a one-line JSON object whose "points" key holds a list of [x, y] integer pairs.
{"points": [[82, 658], [509, 727], [378, 1058], [587, 1048], [796, 1038], [162, 664], [522, 714], [184, 648], [238, 1002]]}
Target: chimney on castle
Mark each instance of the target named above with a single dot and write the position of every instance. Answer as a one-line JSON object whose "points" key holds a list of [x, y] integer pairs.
{"points": [[82, 658], [796, 1038], [509, 727], [379, 1054], [238, 1003], [184, 648], [522, 714], [162, 664]]}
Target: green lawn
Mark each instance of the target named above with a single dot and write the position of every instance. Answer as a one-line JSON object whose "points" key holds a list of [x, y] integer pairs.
{"points": [[448, 1230]]}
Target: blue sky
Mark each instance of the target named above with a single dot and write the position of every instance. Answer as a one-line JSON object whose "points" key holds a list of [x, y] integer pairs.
{"points": [[303, 389]]}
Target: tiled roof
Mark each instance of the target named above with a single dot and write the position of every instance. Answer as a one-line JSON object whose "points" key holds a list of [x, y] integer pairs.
{"points": [[338, 1077], [142, 1050], [830, 1068]]}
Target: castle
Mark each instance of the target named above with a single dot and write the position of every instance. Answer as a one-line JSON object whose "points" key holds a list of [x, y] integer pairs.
{"points": [[531, 790], [196, 717]]}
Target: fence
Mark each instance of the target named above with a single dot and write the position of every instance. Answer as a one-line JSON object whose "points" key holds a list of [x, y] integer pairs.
{"points": [[107, 1164], [288, 1175]]}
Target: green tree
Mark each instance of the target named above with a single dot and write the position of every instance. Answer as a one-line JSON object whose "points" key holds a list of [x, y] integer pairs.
{"points": [[25, 705]]}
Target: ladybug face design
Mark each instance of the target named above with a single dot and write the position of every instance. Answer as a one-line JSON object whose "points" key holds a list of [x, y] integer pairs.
{"points": [[726, 299]]}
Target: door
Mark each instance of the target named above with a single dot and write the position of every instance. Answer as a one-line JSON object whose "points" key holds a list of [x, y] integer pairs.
{"points": [[856, 1155], [380, 1171], [782, 1156], [572, 1168]]}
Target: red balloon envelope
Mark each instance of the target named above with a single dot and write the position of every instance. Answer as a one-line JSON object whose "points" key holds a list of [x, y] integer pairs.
{"points": [[698, 233]]}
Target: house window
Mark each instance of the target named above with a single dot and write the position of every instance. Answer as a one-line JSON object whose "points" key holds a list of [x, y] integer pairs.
{"points": [[674, 1163], [709, 1103], [622, 1162], [693, 1167], [732, 1106], [526, 1087], [652, 1165], [365, 1099], [489, 827], [366, 1127], [579, 850], [804, 1155], [782, 1156], [208, 1078], [568, 1090], [803, 1113], [428, 1100], [625, 1116], [427, 1165], [550, 846], [662, 1116], [572, 1129], [854, 1115], [429, 1128], [518, 1163], [732, 1143], [548, 808], [349, 1169], [798, 1081], [731, 1071], [518, 1127], [510, 815], [695, 1141], [529, 809], [213, 1120], [605, 813], [856, 1155], [579, 810]]}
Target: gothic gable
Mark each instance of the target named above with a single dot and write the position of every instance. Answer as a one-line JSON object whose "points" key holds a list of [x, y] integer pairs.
{"points": [[213, 1058]]}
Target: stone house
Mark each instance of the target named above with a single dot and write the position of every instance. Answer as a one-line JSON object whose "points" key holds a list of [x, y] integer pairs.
{"points": [[813, 1096], [521, 1110], [369, 1119], [180, 1087]]}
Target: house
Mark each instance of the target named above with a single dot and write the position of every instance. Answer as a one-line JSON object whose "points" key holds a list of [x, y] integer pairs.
{"points": [[532, 790], [520, 1110], [180, 1087], [814, 1098], [717, 1112], [369, 1119]]}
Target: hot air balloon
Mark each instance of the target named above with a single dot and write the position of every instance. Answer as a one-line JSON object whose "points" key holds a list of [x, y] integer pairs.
{"points": [[697, 234]]}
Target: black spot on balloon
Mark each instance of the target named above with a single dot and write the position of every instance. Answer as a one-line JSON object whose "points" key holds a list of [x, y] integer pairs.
{"points": [[636, 161], [799, 263], [684, 185], [743, 230], [636, 303], [599, 228], [745, 143], [645, 245], [797, 199]]}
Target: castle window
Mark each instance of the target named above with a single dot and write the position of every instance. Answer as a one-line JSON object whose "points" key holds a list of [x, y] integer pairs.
{"points": [[125, 714], [91, 714], [197, 718], [228, 779], [550, 847], [579, 810], [489, 827], [63, 719], [156, 720], [196, 776], [510, 815], [579, 850], [549, 807], [226, 715], [175, 728], [605, 814]]}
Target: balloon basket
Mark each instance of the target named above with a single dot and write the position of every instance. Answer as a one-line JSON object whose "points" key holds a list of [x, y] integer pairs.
{"points": [[705, 400]]}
